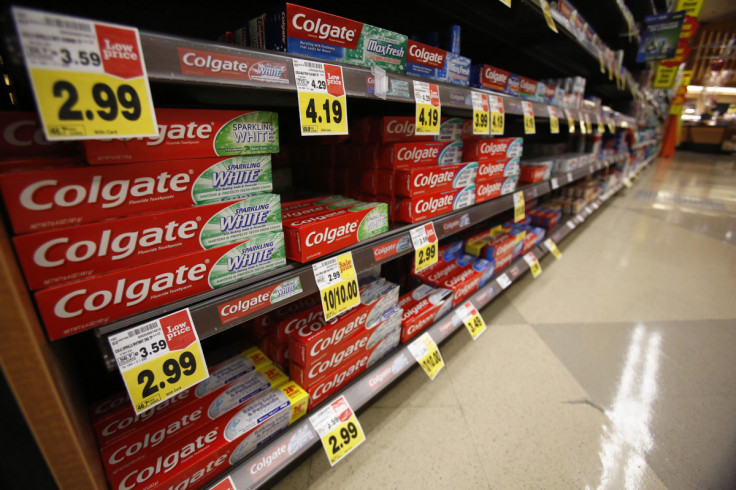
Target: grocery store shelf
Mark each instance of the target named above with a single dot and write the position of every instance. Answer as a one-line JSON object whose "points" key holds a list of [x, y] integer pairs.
{"points": [[285, 449], [205, 308], [642, 144]]}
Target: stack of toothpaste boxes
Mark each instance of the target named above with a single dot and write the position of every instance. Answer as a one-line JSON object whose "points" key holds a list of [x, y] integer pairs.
{"points": [[149, 220], [190, 438]]}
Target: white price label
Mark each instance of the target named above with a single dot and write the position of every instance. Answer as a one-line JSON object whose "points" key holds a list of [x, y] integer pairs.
{"points": [[503, 281], [569, 177], [528, 110], [570, 224], [481, 110], [427, 354], [534, 264], [471, 318], [322, 100], [555, 184]]}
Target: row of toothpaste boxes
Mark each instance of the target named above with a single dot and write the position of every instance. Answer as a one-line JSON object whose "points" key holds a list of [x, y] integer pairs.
{"points": [[301, 361]]}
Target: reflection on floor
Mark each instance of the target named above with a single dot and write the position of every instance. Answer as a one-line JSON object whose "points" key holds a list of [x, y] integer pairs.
{"points": [[613, 369]]}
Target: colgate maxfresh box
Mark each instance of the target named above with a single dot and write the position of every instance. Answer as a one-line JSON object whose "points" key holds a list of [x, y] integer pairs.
{"points": [[489, 77], [314, 236], [64, 197], [413, 210], [420, 154], [364, 341], [212, 447], [81, 305], [193, 133], [433, 179], [492, 189], [55, 257], [497, 169], [483, 151], [467, 281], [303, 31], [423, 307]]}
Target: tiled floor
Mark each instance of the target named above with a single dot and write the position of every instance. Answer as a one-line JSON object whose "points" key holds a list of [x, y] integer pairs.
{"points": [[616, 368]]}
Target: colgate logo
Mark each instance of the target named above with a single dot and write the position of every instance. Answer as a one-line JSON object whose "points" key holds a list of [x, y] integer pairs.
{"points": [[491, 169], [12, 134], [495, 77], [175, 132], [493, 148], [338, 379], [460, 278], [336, 358], [330, 235], [315, 317], [310, 24], [433, 205], [488, 190], [528, 86], [378, 378], [405, 128], [432, 180], [337, 336], [417, 155], [426, 55]]}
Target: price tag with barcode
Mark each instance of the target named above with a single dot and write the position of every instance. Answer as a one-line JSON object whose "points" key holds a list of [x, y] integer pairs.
{"points": [[571, 224], [552, 247], [338, 284], [424, 240], [534, 264], [570, 121], [481, 119], [427, 98], [528, 110], [554, 183], [588, 124], [497, 115], [503, 281], [427, 354], [599, 121], [518, 206], [159, 359], [548, 15], [471, 318], [322, 100], [583, 129], [338, 429], [554, 123]]}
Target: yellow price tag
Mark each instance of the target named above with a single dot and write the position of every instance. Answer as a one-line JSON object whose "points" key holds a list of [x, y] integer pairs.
{"points": [[618, 79], [534, 264], [89, 78], [481, 119], [588, 124], [552, 247], [338, 428], [603, 64], [583, 129], [601, 128], [610, 73], [554, 123], [548, 15], [337, 283], [159, 359], [627, 183], [623, 83], [519, 206], [506, 2], [426, 353], [428, 109], [425, 244], [497, 115], [321, 95], [570, 121], [472, 319], [529, 127]]}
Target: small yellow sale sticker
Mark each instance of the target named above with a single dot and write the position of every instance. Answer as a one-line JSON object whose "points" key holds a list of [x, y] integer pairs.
{"points": [[534, 264], [581, 117], [338, 284], [599, 121], [481, 119], [322, 100], [519, 206], [471, 318], [570, 121], [554, 123], [497, 115], [552, 247], [89, 78], [427, 354], [338, 429], [159, 359], [424, 240], [588, 124], [428, 108], [528, 111]]}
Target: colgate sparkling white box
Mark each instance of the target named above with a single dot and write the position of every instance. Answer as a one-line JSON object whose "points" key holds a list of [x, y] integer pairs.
{"points": [[483, 151], [498, 169], [421, 181], [420, 154], [54, 257], [303, 31], [174, 425], [492, 189], [193, 133], [220, 443], [72, 308], [314, 236], [365, 340], [489, 77], [423, 307], [415, 209], [64, 197]]}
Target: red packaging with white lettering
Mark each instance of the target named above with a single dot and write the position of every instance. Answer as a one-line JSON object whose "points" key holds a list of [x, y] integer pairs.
{"points": [[395, 129], [497, 169], [230, 438], [420, 154], [21, 135], [318, 209], [491, 189], [304, 203], [501, 250], [415, 209], [490, 150], [72, 308], [467, 281], [490, 77], [533, 174], [447, 254], [58, 198], [422, 181], [193, 133], [423, 307]]}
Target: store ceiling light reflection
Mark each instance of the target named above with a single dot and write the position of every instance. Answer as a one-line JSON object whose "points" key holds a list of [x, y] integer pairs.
{"points": [[627, 438]]}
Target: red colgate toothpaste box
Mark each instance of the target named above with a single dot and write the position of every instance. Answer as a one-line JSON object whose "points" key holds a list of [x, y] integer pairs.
{"points": [[315, 338], [447, 254], [423, 307], [467, 281], [501, 250], [72, 308], [220, 443], [315, 236], [534, 173], [365, 340], [420, 154], [483, 151], [396, 129], [489, 77], [287, 206], [415, 209], [527, 87], [340, 376], [544, 217], [497, 169], [422, 181], [437, 276], [64, 197], [193, 133], [54, 257], [319, 209], [492, 189], [268, 322], [21, 135]]}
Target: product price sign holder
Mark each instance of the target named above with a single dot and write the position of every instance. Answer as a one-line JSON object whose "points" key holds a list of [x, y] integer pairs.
{"points": [[425, 242], [570, 121], [554, 183], [534, 264], [159, 359], [506, 2], [552, 247], [611, 125], [224, 484], [599, 121], [427, 354], [481, 117], [627, 183], [89, 78], [503, 281], [338, 428], [428, 108], [519, 206], [322, 102], [588, 124], [528, 111], [472, 319], [338, 284], [554, 123], [603, 64], [583, 129], [497, 115], [548, 16]]}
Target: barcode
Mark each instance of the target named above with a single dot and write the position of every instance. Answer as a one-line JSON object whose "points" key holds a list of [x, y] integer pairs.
{"points": [[68, 24], [312, 64], [143, 329]]}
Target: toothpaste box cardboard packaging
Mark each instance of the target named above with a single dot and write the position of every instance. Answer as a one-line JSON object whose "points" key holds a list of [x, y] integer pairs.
{"points": [[489, 77], [423, 306], [492, 150], [492, 189], [415, 209], [420, 154], [498, 169], [397, 129], [421, 181]]}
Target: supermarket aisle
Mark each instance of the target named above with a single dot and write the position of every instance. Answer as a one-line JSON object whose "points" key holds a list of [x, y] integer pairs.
{"points": [[613, 369]]}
